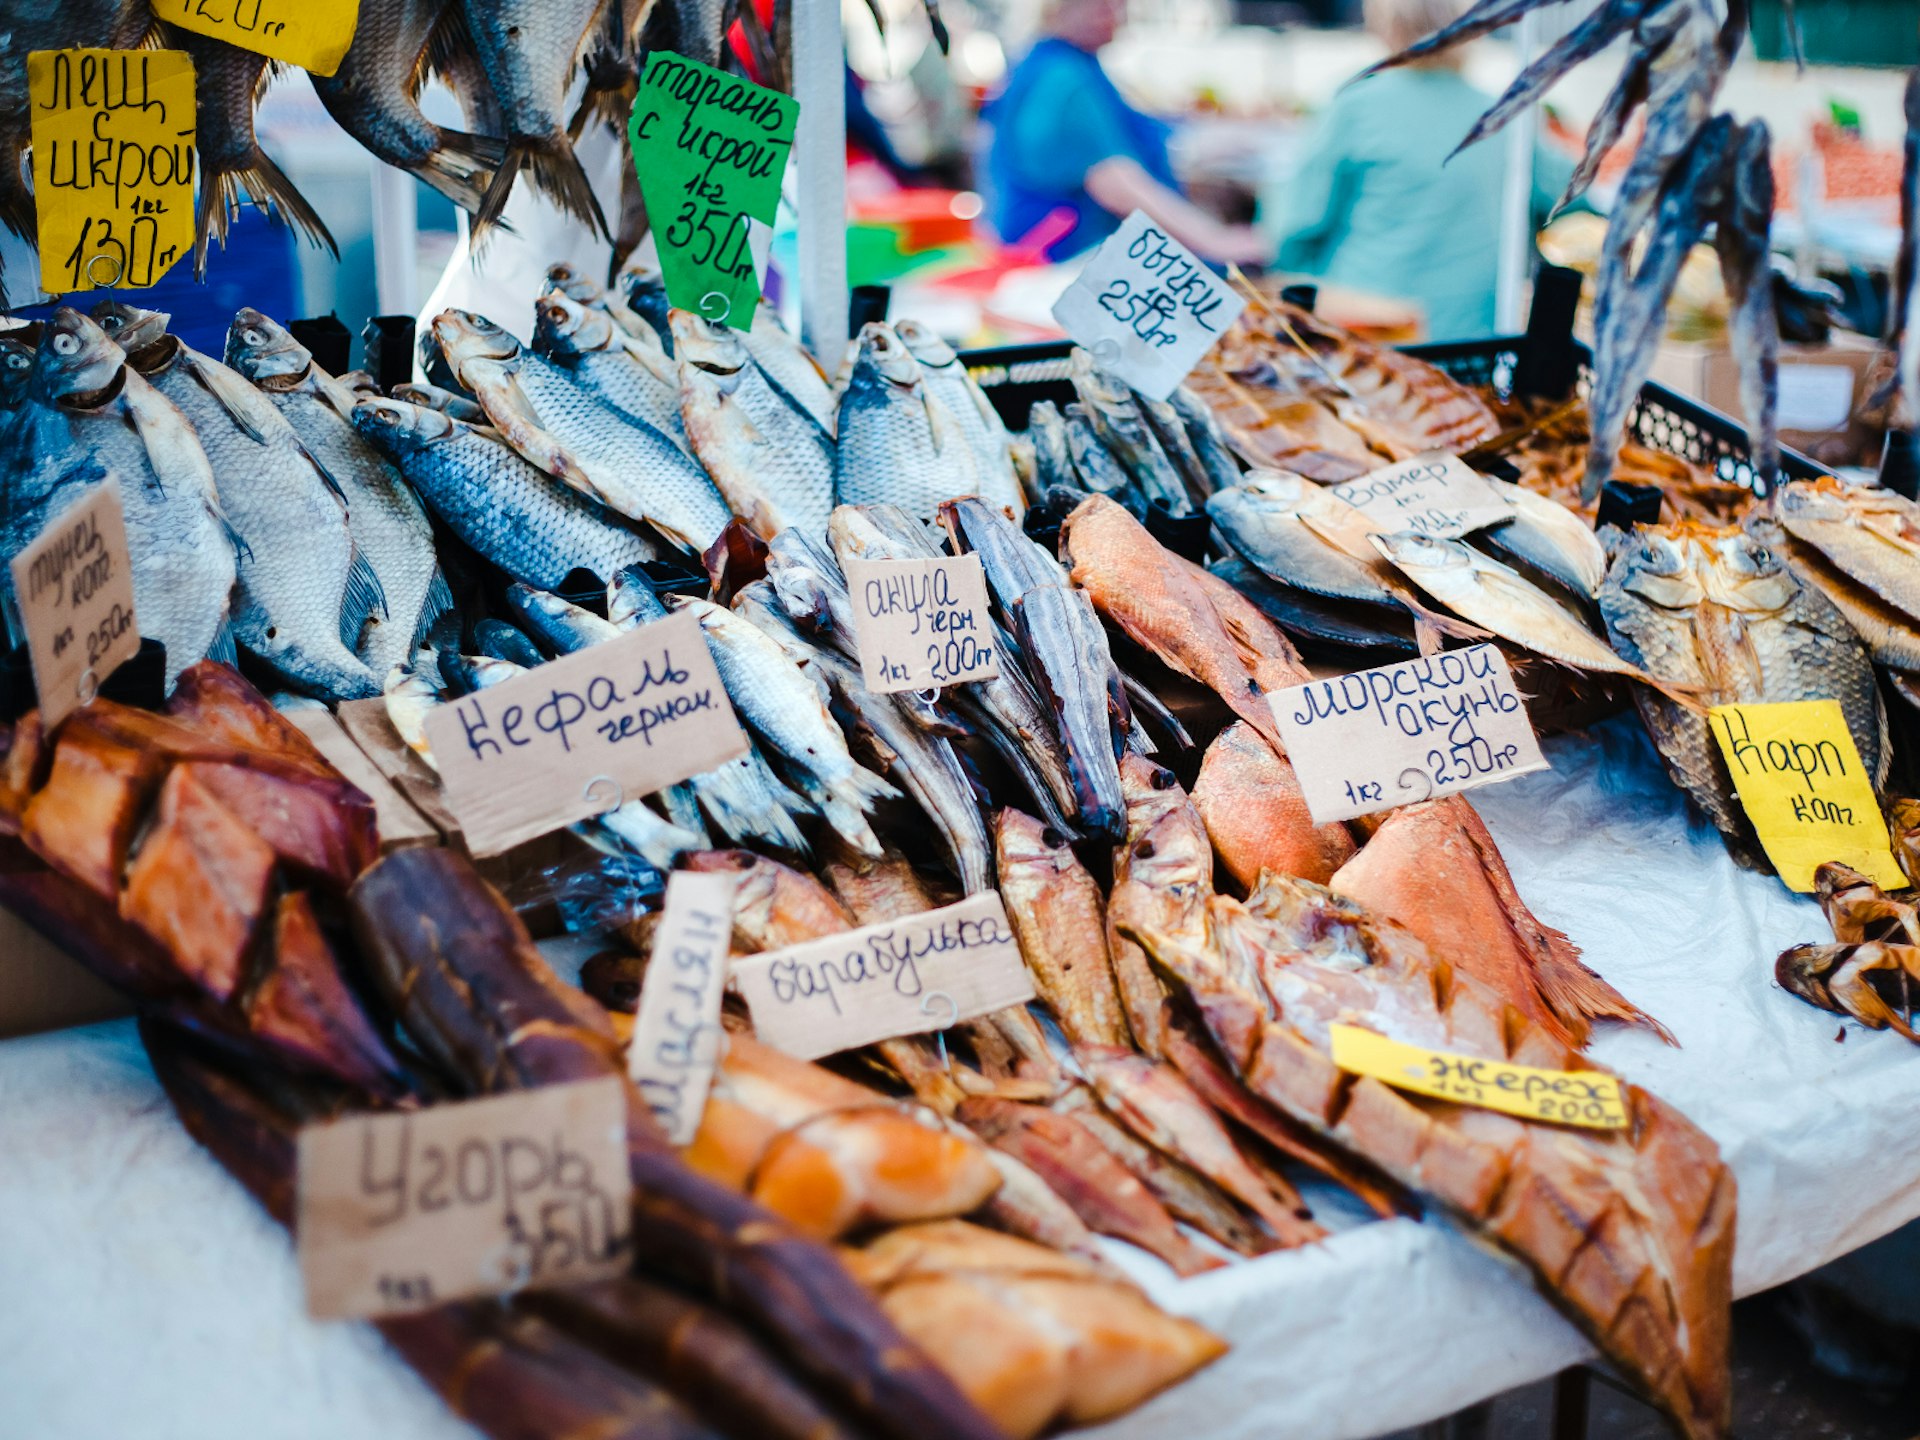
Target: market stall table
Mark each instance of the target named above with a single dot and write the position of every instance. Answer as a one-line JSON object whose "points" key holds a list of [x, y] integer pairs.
{"points": [[147, 1294]]}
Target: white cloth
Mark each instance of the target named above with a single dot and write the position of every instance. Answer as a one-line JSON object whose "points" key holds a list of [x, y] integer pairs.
{"points": [[145, 1294]]}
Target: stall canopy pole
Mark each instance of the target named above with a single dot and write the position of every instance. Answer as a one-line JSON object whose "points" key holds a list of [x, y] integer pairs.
{"points": [[820, 147], [1516, 200]]}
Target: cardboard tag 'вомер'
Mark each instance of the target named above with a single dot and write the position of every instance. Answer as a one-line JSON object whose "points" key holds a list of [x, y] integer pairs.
{"points": [[921, 624], [1436, 495], [676, 1030], [902, 977], [583, 733], [1566, 1097], [403, 1211], [1802, 784], [710, 150], [113, 165], [1398, 734], [1147, 307], [74, 587], [313, 34]]}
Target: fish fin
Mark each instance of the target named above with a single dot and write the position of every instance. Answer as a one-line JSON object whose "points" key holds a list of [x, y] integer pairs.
{"points": [[555, 170], [1576, 994], [364, 599], [233, 393], [1426, 635], [270, 190], [223, 648], [439, 602], [461, 166]]}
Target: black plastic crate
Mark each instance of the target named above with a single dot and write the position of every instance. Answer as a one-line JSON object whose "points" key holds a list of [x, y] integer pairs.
{"points": [[1015, 377]]}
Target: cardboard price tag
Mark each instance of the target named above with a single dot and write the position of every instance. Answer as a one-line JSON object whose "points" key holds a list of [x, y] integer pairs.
{"points": [[922, 623], [1147, 307], [1399, 734], [676, 1032], [1802, 784], [583, 734], [710, 150], [903, 977], [401, 1212], [1436, 494], [1586, 1098], [74, 588], [313, 34], [113, 164]]}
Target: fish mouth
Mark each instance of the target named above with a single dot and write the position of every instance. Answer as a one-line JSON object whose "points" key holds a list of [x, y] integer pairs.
{"points": [[94, 399]]}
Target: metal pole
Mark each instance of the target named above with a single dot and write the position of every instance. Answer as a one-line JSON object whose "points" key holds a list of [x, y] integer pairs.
{"points": [[396, 281], [820, 150], [1516, 199]]}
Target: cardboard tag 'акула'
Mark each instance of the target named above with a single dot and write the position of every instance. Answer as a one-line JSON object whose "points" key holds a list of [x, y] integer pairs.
{"points": [[901, 977], [582, 733], [921, 624], [404, 1211]]}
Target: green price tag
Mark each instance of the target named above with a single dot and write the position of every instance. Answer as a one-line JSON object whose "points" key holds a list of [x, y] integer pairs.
{"points": [[710, 149]]}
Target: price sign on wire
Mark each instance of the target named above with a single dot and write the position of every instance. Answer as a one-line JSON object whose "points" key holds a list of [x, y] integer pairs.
{"points": [[921, 623], [710, 149], [113, 165], [74, 589], [1398, 734], [313, 34], [1438, 495], [1147, 307], [1801, 781], [1588, 1098]]}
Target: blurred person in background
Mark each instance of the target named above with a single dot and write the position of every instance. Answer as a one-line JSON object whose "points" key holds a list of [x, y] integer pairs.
{"points": [[1375, 204], [1066, 143]]}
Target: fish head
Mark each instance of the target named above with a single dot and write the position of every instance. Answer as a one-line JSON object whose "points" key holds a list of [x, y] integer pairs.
{"points": [[631, 600], [463, 336], [264, 351], [1743, 572], [77, 362], [1095, 385], [562, 325], [571, 282], [699, 341], [1166, 845], [1411, 551], [923, 343], [854, 536], [487, 670], [884, 362], [1282, 491], [398, 428], [131, 327], [1659, 566], [16, 366]]}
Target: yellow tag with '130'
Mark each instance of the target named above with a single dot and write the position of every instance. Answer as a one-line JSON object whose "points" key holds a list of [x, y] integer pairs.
{"points": [[1802, 784], [1588, 1098], [113, 164], [313, 34]]}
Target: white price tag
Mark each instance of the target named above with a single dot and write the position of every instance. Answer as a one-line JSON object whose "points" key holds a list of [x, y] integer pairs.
{"points": [[676, 1031], [1147, 307], [1437, 494], [921, 623]]}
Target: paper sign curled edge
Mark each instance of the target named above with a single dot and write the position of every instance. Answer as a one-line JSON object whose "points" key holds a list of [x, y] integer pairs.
{"points": [[74, 588]]}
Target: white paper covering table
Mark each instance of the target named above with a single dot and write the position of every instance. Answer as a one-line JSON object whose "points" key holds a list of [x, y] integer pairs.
{"points": [[145, 1294]]}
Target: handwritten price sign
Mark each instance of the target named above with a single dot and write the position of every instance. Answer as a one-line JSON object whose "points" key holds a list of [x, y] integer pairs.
{"points": [[921, 623], [313, 34], [1436, 494], [1147, 307], [1591, 1099], [710, 150], [583, 733], [74, 587], [676, 1032], [113, 164], [1398, 734]]}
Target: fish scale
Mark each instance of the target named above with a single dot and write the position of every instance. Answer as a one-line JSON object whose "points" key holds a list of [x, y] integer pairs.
{"points": [[897, 442], [588, 345]]}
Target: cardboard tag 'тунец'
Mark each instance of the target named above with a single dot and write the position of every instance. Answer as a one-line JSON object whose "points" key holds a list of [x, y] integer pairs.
{"points": [[401, 1212], [1803, 786], [921, 623], [1566, 1097], [583, 733], [1402, 733], [902, 977], [113, 164], [74, 587], [313, 34], [676, 1031], [1438, 495], [710, 149], [1147, 307]]}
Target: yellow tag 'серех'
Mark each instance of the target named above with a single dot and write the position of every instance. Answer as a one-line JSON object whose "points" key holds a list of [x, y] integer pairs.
{"points": [[1567, 1097], [1805, 789], [313, 34], [113, 165]]}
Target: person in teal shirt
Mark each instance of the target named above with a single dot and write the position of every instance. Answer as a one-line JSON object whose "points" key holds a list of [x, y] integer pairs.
{"points": [[1376, 205]]}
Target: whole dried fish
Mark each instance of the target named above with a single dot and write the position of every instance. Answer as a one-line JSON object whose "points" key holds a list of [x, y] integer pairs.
{"points": [[947, 378], [1870, 533], [1121, 426], [1059, 916], [1255, 814], [897, 441], [635, 379]]}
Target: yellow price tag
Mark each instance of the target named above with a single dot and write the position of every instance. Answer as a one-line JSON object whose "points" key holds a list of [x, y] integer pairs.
{"points": [[1805, 789], [313, 34], [1566, 1097], [113, 164]]}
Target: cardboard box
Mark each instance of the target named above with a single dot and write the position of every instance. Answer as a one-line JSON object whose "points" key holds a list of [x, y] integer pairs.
{"points": [[1822, 389], [42, 988]]}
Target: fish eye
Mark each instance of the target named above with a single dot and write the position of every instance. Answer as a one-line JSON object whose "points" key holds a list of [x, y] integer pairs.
{"points": [[253, 337], [64, 344]]}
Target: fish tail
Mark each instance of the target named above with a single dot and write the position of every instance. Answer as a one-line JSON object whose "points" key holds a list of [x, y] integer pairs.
{"points": [[267, 186], [555, 170], [1573, 991], [461, 167], [607, 105]]}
